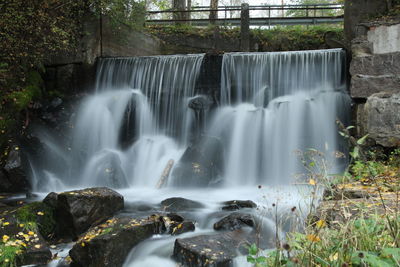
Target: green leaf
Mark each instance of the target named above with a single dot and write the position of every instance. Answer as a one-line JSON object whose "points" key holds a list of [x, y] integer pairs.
{"points": [[393, 253], [251, 259], [253, 249], [261, 259], [350, 127], [362, 139]]}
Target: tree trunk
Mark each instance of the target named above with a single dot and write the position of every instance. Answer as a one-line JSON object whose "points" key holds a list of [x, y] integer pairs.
{"points": [[213, 14], [179, 5]]}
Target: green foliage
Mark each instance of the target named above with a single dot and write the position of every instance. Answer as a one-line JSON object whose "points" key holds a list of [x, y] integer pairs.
{"points": [[9, 255], [304, 13], [362, 170], [361, 241], [37, 214], [129, 12]]}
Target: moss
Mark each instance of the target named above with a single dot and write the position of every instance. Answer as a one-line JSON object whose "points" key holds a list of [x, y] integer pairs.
{"points": [[37, 214]]}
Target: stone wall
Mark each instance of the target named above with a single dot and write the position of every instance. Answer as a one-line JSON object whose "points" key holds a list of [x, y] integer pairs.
{"points": [[375, 81], [73, 72]]}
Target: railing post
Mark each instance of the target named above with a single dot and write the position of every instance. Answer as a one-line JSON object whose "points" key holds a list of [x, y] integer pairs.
{"points": [[245, 28]]}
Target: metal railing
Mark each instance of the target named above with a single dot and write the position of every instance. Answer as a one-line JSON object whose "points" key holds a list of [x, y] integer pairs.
{"points": [[265, 15]]}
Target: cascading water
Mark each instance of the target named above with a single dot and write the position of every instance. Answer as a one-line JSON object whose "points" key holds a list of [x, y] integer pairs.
{"points": [[138, 120], [273, 104]]}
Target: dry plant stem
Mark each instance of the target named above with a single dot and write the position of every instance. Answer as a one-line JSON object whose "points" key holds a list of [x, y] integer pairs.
{"points": [[391, 228]]}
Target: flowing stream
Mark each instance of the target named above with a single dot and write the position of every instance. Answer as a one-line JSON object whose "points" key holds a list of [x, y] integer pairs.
{"points": [[271, 105]]}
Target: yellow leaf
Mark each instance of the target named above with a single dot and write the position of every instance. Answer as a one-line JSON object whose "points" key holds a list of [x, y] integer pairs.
{"points": [[31, 233], [313, 238], [334, 257], [40, 213], [83, 244], [6, 223], [321, 223], [21, 225], [37, 246], [312, 182], [5, 238]]}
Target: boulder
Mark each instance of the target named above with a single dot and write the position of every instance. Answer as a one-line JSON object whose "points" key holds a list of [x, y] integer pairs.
{"points": [[175, 204], [13, 177], [201, 164], [380, 119], [238, 204], [235, 221], [78, 210], [217, 250], [108, 244]]}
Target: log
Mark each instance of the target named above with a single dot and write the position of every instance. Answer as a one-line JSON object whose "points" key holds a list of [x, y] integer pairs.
{"points": [[165, 174]]}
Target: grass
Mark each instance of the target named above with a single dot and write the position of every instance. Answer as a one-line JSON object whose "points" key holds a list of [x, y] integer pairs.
{"points": [[9, 254], [278, 38], [37, 216]]}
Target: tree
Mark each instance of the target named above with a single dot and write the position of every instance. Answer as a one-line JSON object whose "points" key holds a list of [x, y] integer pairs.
{"points": [[317, 13]]}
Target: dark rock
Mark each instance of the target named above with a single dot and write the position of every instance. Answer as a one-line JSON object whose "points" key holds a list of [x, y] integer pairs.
{"points": [[108, 171], [238, 204], [234, 221], [51, 199], [14, 177], [201, 164], [108, 244], [175, 224], [78, 210], [175, 204], [200, 102], [217, 250]]}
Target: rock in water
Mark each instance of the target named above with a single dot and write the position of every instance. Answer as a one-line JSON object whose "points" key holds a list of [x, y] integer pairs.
{"points": [[201, 164], [212, 250], [109, 243], [238, 204], [234, 221], [13, 177], [175, 204], [78, 210]]}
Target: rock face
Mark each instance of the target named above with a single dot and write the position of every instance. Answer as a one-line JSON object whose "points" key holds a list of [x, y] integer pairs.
{"points": [[13, 177], [375, 79], [235, 221], [201, 164], [77, 210], [108, 244], [175, 204], [211, 250], [380, 118]]}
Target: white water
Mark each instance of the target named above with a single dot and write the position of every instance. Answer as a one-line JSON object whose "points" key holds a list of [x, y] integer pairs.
{"points": [[272, 104]]}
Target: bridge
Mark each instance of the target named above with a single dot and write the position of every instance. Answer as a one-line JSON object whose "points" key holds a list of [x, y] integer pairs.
{"points": [[266, 15]]}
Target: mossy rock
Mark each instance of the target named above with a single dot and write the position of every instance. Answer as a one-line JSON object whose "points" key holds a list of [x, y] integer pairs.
{"points": [[38, 214]]}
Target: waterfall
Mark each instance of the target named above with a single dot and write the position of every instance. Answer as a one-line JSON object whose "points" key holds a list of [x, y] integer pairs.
{"points": [[271, 105], [274, 104]]}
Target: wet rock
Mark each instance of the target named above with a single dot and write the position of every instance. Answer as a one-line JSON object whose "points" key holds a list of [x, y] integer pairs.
{"points": [[80, 209], [14, 177], [175, 204], [51, 200], [234, 221], [107, 171], [175, 224], [238, 204], [201, 164], [109, 243], [217, 250]]}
